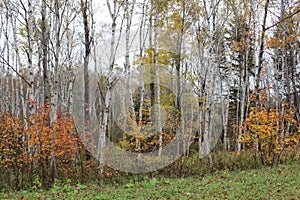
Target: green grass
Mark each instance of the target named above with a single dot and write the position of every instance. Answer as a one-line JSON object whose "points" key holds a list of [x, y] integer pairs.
{"points": [[282, 182]]}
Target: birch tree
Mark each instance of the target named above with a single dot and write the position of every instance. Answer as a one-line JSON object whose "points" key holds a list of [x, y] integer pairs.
{"points": [[114, 9]]}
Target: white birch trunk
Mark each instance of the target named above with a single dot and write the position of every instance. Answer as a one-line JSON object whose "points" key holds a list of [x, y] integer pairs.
{"points": [[113, 11], [159, 125], [30, 91]]}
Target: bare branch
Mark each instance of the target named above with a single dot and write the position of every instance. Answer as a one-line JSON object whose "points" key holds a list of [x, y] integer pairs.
{"points": [[283, 19], [11, 67]]}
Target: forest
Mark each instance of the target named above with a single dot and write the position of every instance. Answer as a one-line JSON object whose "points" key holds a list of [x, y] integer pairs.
{"points": [[106, 91]]}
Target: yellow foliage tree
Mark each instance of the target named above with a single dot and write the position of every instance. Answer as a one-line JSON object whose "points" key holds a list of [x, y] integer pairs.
{"points": [[271, 133]]}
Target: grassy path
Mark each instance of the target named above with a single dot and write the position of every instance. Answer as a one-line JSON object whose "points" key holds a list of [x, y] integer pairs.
{"points": [[282, 182]]}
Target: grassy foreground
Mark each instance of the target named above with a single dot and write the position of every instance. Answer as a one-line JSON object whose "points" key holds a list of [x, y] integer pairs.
{"points": [[282, 182]]}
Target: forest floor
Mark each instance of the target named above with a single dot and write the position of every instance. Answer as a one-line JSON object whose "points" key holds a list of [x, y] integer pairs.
{"points": [[282, 182]]}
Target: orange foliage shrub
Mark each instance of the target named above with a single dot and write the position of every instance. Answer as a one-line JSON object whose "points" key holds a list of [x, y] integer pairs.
{"points": [[11, 144], [30, 147], [46, 140]]}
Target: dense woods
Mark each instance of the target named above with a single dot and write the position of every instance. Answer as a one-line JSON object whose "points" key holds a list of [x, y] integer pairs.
{"points": [[216, 79]]}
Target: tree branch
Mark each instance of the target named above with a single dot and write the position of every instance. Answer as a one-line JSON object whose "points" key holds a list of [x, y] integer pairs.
{"points": [[11, 67], [280, 21]]}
